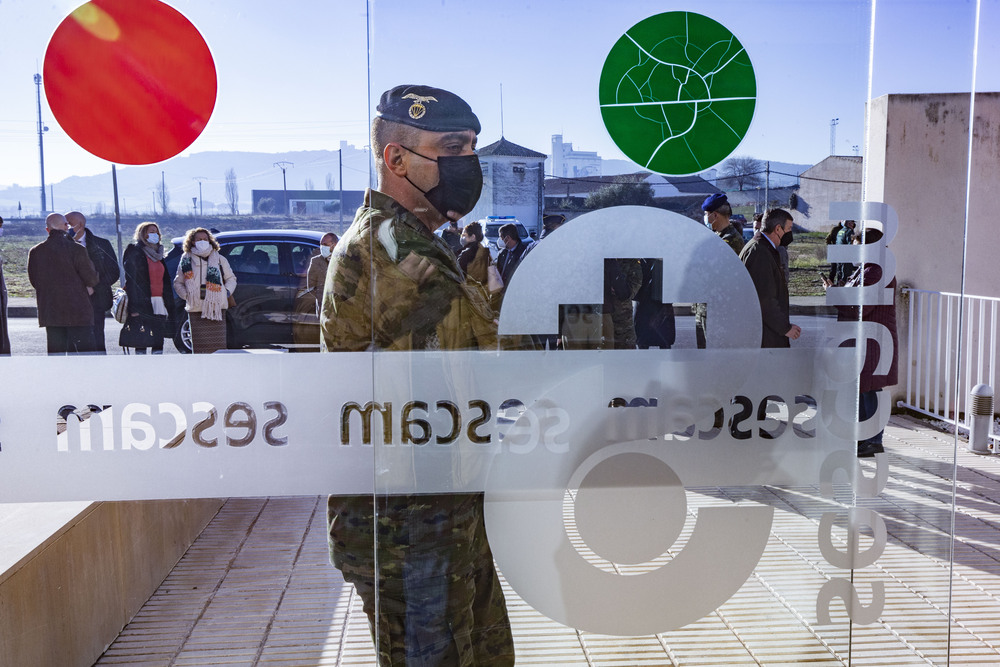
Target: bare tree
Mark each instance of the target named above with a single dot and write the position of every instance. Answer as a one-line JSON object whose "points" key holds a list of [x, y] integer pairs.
{"points": [[232, 192], [163, 197], [742, 172], [329, 181], [620, 194], [310, 185]]}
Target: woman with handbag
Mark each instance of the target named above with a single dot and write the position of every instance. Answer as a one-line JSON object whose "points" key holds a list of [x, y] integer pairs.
{"points": [[149, 293], [206, 283]]}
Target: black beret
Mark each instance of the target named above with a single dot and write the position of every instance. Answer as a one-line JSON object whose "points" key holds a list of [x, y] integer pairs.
{"points": [[427, 108], [713, 202]]}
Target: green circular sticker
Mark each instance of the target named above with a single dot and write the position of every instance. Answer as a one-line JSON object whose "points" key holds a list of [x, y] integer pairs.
{"points": [[678, 93]]}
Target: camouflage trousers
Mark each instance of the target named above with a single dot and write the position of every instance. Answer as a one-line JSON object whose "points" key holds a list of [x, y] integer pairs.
{"points": [[439, 597]]}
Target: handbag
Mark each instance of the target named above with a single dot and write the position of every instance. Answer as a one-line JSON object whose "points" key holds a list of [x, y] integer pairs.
{"points": [[137, 333], [119, 306]]}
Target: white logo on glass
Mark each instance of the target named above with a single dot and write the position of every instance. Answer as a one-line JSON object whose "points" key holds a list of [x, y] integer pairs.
{"points": [[627, 504]]}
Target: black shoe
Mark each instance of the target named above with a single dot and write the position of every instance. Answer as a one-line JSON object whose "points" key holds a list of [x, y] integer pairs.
{"points": [[869, 449]]}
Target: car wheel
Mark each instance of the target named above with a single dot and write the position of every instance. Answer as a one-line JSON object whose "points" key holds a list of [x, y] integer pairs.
{"points": [[182, 339]]}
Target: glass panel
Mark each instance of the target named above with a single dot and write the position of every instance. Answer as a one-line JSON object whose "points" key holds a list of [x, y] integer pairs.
{"points": [[661, 500], [615, 428]]}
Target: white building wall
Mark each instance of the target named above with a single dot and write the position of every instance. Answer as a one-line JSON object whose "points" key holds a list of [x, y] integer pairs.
{"points": [[918, 161]]}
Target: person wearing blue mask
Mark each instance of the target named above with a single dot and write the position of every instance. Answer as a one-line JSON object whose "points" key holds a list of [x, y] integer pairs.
{"points": [[149, 290]]}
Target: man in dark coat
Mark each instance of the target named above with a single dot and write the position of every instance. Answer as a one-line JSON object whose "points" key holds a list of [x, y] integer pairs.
{"points": [[64, 278], [514, 251], [760, 256], [104, 259]]}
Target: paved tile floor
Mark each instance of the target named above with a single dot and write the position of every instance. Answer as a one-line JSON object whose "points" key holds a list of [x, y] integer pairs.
{"points": [[256, 587]]}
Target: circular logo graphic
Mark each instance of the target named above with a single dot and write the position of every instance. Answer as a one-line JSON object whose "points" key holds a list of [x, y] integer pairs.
{"points": [[131, 81], [678, 93]]}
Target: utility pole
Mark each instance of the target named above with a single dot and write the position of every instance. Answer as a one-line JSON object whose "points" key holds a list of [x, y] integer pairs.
{"points": [[201, 202], [154, 203], [767, 184], [833, 135], [284, 182], [340, 180], [41, 130]]}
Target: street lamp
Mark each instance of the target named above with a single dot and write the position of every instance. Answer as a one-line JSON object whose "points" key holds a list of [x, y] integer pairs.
{"points": [[41, 130]]}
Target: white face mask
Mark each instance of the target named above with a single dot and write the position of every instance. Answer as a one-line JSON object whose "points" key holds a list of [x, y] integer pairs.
{"points": [[325, 250], [202, 246], [153, 238], [706, 221]]}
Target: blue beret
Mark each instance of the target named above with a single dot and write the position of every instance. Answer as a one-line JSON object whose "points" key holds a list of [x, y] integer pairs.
{"points": [[427, 108], [713, 202]]}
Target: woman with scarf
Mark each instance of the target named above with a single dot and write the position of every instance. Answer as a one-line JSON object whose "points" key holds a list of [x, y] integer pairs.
{"points": [[150, 296], [206, 283]]}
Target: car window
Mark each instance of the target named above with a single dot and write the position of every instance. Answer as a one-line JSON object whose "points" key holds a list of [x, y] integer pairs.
{"points": [[253, 258], [301, 254]]}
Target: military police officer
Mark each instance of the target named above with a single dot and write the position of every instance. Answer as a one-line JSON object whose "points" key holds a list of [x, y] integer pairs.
{"points": [[717, 211], [393, 284]]}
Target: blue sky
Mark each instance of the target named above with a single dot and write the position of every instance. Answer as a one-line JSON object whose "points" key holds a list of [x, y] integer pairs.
{"points": [[295, 76]]}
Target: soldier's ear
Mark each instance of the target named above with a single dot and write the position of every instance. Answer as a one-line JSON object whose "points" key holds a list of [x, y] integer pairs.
{"points": [[393, 156]]}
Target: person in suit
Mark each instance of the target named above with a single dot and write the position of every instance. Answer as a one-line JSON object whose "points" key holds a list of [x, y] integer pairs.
{"points": [[760, 256]]}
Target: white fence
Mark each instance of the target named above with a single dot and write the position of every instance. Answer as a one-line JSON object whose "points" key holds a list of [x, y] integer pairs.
{"points": [[940, 324]]}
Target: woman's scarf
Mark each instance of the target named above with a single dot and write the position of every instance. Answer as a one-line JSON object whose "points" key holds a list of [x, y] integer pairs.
{"points": [[154, 252], [215, 299]]}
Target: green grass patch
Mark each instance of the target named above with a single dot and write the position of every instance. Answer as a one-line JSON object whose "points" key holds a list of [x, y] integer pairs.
{"points": [[806, 261]]}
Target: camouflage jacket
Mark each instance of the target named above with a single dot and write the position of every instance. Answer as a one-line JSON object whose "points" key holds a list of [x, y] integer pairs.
{"points": [[733, 237], [369, 303]]}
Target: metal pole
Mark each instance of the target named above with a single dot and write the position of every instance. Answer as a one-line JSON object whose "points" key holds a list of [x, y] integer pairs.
{"points": [[41, 129], [201, 205], [340, 180], [118, 227], [767, 184], [284, 182]]}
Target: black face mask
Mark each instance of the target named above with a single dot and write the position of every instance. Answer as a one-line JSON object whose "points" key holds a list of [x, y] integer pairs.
{"points": [[460, 182], [786, 238]]}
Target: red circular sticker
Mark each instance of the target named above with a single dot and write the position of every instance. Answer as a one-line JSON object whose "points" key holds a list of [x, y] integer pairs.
{"points": [[131, 81]]}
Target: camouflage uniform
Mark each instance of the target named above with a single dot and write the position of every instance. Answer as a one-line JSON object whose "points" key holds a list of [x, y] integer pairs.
{"points": [[734, 238], [440, 601], [622, 280]]}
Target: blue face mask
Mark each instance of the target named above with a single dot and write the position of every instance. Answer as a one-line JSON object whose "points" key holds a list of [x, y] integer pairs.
{"points": [[153, 239]]}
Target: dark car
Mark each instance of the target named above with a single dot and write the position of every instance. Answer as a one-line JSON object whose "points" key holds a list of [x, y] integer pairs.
{"points": [[270, 267]]}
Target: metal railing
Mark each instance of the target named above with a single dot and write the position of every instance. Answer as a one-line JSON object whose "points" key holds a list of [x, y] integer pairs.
{"points": [[937, 381]]}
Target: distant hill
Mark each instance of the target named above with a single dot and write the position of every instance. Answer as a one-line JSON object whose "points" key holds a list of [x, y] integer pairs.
{"points": [[136, 184], [254, 171]]}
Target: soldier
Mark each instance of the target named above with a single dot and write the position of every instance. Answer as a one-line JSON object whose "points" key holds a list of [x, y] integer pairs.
{"points": [[394, 285], [622, 280], [717, 210]]}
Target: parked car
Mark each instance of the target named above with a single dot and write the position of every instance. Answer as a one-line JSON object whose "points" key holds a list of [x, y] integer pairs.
{"points": [[270, 267], [491, 232]]}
